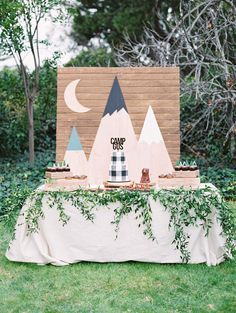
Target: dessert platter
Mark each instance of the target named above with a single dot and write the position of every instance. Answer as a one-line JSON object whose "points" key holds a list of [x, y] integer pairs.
{"points": [[59, 177], [186, 175]]}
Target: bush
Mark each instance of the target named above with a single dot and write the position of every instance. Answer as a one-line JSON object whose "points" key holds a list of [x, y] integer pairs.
{"points": [[13, 117], [223, 178], [18, 179], [45, 109]]}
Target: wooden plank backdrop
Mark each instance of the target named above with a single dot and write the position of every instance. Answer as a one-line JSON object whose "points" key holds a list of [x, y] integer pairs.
{"points": [[141, 87]]}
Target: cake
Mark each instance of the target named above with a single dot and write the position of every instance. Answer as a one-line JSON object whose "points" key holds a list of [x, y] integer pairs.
{"points": [[118, 171]]}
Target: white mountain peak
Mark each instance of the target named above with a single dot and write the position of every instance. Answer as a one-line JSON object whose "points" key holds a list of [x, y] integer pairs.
{"points": [[150, 132]]}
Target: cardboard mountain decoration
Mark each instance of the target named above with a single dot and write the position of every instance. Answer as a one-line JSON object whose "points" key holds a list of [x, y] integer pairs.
{"points": [[75, 156], [152, 152], [115, 123]]}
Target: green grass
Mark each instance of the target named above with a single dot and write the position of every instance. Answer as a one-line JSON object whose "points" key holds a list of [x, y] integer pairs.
{"points": [[125, 287]]}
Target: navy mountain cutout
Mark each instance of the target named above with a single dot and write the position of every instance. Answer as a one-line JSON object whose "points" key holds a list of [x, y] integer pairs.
{"points": [[115, 100]]}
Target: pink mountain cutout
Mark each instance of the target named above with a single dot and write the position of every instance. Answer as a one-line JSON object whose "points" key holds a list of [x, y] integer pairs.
{"points": [[152, 152]]}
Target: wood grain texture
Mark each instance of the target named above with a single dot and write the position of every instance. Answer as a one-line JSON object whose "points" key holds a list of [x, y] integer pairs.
{"points": [[141, 87]]}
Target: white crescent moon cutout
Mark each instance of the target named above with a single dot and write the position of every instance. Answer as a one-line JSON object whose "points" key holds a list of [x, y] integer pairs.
{"points": [[71, 100]]}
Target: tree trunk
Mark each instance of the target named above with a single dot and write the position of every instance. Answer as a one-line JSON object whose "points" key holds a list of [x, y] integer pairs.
{"points": [[30, 111]]}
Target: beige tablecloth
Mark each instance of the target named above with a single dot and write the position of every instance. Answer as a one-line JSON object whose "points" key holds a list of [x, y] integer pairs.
{"points": [[82, 240]]}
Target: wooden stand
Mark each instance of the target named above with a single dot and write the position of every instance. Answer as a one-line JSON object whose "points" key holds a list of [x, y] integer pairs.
{"points": [[109, 184], [176, 182], [186, 174], [66, 184], [143, 186], [58, 175]]}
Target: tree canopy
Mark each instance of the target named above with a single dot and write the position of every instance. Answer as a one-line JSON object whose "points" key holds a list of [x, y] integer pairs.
{"points": [[108, 20], [93, 57]]}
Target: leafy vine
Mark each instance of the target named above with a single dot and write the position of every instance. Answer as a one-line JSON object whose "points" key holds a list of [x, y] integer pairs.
{"points": [[56, 198], [186, 208], [34, 212], [189, 207]]}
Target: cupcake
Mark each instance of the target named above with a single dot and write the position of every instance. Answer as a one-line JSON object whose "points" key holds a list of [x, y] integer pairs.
{"points": [[177, 166], [185, 166], [194, 166]]}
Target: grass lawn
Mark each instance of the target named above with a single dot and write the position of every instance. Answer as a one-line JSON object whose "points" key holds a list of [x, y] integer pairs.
{"points": [[124, 287]]}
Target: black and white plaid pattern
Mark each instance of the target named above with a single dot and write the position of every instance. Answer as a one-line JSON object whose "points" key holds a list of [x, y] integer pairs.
{"points": [[118, 176], [118, 171], [118, 157]]}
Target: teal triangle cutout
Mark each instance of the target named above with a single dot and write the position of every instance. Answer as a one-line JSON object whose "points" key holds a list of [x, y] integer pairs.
{"points": [[74, 141]]}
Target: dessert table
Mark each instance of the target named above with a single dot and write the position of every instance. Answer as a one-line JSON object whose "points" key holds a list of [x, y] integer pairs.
{"points": [[85, 240]]}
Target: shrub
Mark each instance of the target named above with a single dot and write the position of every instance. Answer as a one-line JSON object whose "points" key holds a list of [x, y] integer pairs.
{"points": [[222, 178], [13, 119], [18, 179]]}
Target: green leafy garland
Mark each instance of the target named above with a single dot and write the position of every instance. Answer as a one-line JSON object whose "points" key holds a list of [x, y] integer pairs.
{"points": [[195, 208], [186, 208]]}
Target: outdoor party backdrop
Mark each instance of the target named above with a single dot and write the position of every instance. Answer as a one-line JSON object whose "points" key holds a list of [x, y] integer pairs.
{"points": [[207, 119]]}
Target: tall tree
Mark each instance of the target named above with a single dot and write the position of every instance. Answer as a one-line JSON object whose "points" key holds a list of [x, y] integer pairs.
{"points": [[108, 20], [20, 22], [203, 43]]}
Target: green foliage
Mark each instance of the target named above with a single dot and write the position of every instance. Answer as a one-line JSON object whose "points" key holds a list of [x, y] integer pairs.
{"points": [[214, 169], [45, 108], [19, 20], [12, 35], [13, 117], [222, 178], [194, 208], [109, 20], [17, 180], [93, 57], [12, 204], [186, 207], [34, 212], [87, 202]]}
